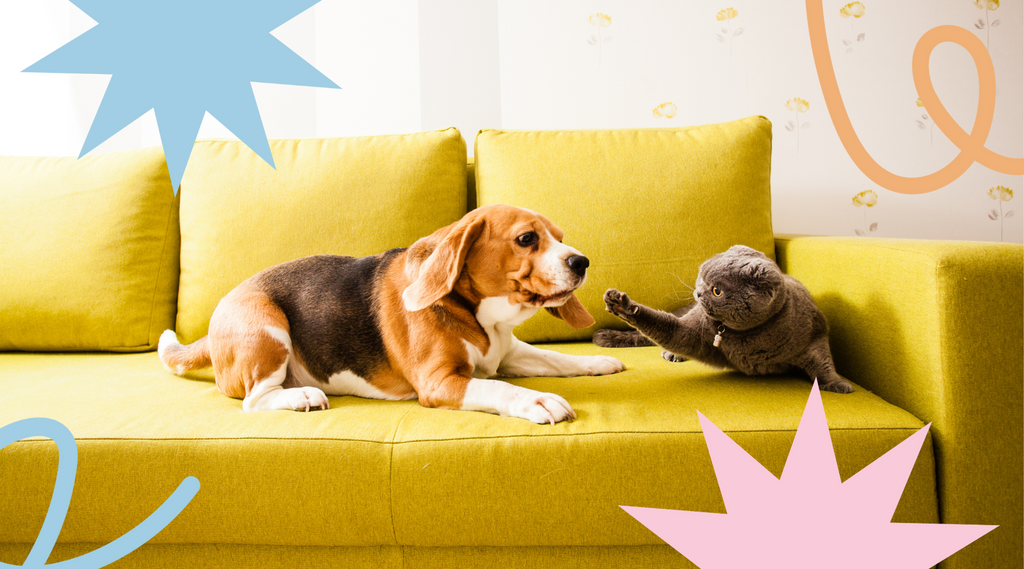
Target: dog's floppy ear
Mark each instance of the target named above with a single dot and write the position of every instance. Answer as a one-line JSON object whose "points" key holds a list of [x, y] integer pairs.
{"points": [[434, 262], [573, 313]]}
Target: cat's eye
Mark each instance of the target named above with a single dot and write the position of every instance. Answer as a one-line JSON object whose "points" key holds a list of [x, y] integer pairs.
{"points": [[716, 291]]}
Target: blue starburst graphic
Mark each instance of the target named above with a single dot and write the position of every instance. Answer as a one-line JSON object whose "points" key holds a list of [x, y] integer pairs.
{"points": [[184, 58]]}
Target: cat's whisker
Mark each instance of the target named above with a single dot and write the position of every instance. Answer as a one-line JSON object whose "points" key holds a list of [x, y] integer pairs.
{"points": [[680, 295], [681, 281]]}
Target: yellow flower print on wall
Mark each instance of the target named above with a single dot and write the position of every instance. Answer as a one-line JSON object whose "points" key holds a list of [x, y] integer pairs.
{"points": [[666, 110], [1000, 194], [867, 198], [798, 106], [925, 123], [728, 33], [854, 11], [987, 6], [599, 21]]}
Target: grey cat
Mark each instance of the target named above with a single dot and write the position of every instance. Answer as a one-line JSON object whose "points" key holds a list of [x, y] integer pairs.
{"points": [[748, 316]]}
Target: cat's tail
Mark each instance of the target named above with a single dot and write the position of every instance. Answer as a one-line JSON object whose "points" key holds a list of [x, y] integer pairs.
{"points": [[618, 339]]}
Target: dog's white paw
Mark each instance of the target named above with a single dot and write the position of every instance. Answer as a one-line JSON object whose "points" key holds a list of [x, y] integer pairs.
{"points": [[542, 408], [306, 399], [603, 365]]}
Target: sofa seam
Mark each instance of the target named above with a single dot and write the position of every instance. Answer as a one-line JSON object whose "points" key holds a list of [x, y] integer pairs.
{"points": [[164, 256], [940, 438], [391, 480], [392, 443]]}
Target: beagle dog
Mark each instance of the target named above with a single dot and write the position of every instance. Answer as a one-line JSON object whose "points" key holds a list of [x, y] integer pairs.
{"points": [[431, 322]]}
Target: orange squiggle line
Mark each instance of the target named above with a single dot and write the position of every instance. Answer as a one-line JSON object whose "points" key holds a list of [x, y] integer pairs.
{"points": [[972, 146]]}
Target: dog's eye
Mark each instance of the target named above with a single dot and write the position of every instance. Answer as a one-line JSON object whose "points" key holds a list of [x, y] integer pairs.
{"points": [[716, 291], [526, 239]]}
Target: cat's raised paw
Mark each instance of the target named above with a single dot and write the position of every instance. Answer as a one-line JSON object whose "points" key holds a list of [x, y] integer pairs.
{"points": [[838, 385], [672, 357], [619, 304]]}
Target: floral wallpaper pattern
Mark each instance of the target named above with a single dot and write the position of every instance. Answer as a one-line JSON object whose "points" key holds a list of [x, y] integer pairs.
{"points": [[1000, 194], [667, 110], [798, 106], [987, 24], [868, 199], [853, 11], [683, 63], [599, 21], [728, 33], [925, 122]]}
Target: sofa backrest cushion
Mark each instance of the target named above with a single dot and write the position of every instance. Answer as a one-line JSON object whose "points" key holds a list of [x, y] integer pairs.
{"points": [[646, 206], [89, 257], [353, 196]]}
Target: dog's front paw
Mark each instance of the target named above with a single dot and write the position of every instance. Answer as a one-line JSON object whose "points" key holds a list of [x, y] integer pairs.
{"points": [[542, 408], [619, 304], [672, 357], [603, 365]]}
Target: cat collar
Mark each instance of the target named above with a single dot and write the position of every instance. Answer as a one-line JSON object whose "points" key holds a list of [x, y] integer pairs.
{"points": [[718, 336]]}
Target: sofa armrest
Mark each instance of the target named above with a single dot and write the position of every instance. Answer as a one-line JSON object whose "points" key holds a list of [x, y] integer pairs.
{"points": [[935, 327]]}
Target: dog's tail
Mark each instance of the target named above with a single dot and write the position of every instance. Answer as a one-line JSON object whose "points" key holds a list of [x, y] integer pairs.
{"points": [[178, 358]]}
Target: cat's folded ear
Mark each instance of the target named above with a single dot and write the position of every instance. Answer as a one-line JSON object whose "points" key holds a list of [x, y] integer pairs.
{"points": [[573, 313], [749, 251]]}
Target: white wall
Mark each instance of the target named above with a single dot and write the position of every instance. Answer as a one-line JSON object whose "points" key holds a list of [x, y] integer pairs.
{"points": [[371, 50], [39, 113], [460, 72], [410, 65]]}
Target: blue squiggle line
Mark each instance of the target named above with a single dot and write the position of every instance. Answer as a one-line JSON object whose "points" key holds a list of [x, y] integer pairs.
{"points": [[67, 465]]}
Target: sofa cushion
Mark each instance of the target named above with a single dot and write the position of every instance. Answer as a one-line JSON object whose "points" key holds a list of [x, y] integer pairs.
{"points": [[90, 252], [372, 473], [646, 206], [346, 196]]}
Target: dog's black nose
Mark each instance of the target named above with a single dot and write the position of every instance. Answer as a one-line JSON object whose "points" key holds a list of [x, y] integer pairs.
{"points": [[578, 264]]}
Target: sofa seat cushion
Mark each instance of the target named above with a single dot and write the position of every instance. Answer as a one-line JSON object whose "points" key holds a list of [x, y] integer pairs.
{"points": [[368, 473]]}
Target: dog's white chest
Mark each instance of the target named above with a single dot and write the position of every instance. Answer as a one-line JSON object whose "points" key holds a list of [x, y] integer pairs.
{"points": [[498, 318]]}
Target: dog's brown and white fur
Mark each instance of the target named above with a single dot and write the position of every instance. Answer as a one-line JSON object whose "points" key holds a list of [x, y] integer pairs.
{"points": [[432, 322]]}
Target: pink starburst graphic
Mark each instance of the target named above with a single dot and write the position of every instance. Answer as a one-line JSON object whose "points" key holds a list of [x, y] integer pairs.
{"points": [[808, 518]]}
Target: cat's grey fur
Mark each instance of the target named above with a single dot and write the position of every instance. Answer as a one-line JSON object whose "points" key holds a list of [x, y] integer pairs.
{"points": [[767, 320]]}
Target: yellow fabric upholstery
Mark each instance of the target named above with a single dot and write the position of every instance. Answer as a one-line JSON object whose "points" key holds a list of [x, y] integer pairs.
{"points": [[936, 328], [646, 206], [368, 473], [219, 556], [90, 252], [345, 196], [929, 332]]}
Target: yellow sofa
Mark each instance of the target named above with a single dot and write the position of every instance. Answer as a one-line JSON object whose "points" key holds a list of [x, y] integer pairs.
{"points": [[99, 257]]}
